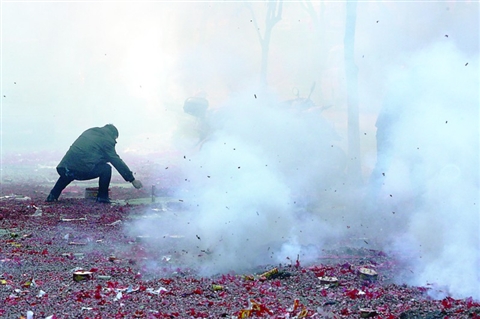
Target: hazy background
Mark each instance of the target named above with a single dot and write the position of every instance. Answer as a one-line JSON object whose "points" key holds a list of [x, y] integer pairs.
{"points": [[270, 182]]}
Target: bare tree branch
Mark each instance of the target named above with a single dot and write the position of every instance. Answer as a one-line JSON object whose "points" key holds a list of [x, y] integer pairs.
{"points": [[255, 22], [273, 16]]}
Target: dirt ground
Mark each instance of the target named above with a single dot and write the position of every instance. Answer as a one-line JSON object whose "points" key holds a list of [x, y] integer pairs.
{"points": [[75, 259]]}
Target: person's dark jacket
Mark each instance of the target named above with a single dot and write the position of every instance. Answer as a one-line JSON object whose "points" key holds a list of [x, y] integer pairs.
{"points": [[95, 146]]}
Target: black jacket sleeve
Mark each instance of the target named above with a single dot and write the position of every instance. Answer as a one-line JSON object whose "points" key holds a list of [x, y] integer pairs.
{"points": [[117, 162]]}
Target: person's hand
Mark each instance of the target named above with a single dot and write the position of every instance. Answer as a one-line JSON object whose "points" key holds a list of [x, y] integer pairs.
{"points": [[137, 184]]}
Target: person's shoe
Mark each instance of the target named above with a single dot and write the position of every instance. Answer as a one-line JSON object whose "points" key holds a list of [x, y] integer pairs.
{"points": [[51, 198], [104, 200]]}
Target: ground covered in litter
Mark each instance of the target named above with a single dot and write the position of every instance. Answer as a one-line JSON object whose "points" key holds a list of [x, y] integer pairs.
{"points": [[73, 259]]}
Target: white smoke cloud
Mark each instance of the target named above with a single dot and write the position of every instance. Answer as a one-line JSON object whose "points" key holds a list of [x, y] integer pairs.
{"points": [[266, 187], [431, 179], [277, 187], [249, 186]]}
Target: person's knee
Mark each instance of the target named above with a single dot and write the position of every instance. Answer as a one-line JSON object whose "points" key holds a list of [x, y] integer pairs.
{"points": [[105, 169], [61, 171]]}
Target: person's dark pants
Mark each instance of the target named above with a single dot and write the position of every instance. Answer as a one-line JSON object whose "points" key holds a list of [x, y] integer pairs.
{"points": [[102, 171]]}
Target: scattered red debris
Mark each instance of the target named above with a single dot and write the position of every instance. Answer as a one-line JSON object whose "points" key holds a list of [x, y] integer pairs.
{"points": [[38, 260]]}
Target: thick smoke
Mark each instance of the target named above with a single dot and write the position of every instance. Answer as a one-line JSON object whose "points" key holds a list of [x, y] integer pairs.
{"points": [[249, 188], [424, 191], [270, 183]]}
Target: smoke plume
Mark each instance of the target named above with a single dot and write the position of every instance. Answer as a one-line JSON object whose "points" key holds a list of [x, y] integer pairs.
{"points": [[270, 184]]}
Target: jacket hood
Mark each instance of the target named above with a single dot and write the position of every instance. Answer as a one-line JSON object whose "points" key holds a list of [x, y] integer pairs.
{"points": [[112, 130]]}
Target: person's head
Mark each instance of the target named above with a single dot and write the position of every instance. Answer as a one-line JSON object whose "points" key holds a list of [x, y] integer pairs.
{"points": [[112, 130]]}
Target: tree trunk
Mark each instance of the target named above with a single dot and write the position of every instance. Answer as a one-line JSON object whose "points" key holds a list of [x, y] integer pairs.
{"points": [[274, 14], [351, 70], [318, 20], [264, 62]]}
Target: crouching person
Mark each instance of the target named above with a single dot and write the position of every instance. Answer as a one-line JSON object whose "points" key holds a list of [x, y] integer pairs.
{"points": [[88, 158]]}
